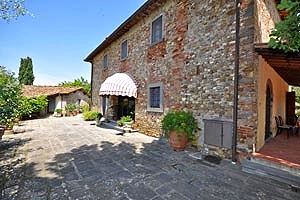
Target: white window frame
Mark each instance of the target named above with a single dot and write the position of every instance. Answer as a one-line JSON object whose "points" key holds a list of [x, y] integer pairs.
{"points": [[155, 109], [152, 42], [123, 58]]}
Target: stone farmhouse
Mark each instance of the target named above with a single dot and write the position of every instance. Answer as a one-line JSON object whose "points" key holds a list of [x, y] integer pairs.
{"points": [[209, 57]]}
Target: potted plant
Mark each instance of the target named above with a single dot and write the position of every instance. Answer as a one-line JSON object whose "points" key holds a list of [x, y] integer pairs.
{"points": [[92, 115], [98, 118], [71, 109], [125, 121], [179, 127], [2, 129], [58, 112]]}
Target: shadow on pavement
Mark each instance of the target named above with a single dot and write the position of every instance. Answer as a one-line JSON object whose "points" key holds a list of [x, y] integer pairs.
{"points": [[126, 171], [12, 163]]}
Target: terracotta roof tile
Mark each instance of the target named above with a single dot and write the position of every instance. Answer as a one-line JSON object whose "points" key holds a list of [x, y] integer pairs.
{"points": [[36, 90]]}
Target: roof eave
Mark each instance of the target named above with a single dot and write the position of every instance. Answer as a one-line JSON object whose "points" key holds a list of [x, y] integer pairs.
{"points": [[142, 12]]}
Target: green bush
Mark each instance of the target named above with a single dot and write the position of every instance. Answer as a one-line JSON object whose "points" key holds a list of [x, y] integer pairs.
{"points": [[32, 105], [10, 97], [124, 119], [91, 115], [70, 107], [58, 110], [85, 108]]}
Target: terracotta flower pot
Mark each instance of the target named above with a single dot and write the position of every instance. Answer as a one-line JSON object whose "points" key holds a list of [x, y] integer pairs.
{"points": [[178, 141], [2, 129]]}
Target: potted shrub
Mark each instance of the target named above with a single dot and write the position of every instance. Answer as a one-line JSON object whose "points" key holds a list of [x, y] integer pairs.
{"points": [[58, 112], [179, 127], [71, 109], [125, 121], [92, 116]]}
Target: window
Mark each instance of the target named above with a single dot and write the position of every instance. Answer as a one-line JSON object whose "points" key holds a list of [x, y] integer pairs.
{"points": [[124, 50], [105, 62], [155, 98], [157, 30]]}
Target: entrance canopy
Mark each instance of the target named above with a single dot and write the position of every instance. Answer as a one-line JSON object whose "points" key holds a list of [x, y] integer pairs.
{"points": [[287, 65], [119, 84]]}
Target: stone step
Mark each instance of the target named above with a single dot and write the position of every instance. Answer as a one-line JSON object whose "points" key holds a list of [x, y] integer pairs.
{"points": [[272, 170], [114, 125]]}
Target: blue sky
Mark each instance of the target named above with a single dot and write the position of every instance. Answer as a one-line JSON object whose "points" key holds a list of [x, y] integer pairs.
{"points": [[60, 35]]}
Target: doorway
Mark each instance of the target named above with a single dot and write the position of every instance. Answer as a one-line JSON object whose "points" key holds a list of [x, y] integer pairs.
{"points": [[126, 106], [268, 116]]}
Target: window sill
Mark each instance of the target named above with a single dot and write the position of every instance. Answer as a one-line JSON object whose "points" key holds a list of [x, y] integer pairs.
{"points": [[123, 59], [158, 110]]}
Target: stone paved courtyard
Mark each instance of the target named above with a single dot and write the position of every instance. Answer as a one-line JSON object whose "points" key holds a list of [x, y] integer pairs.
{"points": [[68, 158]]}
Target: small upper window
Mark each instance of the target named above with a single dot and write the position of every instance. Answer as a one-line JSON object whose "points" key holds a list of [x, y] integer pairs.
{"points": [[155, 98], [157, 30], [105, 62], [124, 50]]}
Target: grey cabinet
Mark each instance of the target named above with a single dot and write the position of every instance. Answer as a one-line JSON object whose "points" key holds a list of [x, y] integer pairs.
{"points": [[218, 132]]}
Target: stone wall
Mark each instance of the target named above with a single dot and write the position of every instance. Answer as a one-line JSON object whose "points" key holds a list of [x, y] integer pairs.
{"points": [[258, 17], [266, 17], [74, 99], [195, 63], [209, 70]]}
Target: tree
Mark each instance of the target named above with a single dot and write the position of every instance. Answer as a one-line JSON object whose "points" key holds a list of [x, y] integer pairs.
{"points": [[10, 97], [26, 76], [80, 82], [12, 9], [286, 35]]}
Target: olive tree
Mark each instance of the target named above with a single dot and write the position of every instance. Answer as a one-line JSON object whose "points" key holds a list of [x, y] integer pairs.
{"points": [[12, 9]]}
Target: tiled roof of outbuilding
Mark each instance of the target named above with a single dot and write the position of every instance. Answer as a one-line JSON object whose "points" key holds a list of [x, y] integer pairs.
{"points": [[36, 90]]}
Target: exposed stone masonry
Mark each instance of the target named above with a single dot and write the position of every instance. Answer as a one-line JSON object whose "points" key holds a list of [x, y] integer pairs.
{"points": [[195, 63]]}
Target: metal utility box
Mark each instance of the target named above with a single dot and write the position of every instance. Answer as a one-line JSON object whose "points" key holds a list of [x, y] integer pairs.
{"points": [[218, 132]]}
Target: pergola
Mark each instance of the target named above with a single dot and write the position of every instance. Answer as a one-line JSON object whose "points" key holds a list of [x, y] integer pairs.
{"points": [[287, 65]]}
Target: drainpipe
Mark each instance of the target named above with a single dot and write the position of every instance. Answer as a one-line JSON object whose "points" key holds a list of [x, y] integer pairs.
{"points": [[236, 80], [92, 75]]}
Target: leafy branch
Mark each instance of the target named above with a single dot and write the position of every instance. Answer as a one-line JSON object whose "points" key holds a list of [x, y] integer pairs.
{"points": [[286, 34]]}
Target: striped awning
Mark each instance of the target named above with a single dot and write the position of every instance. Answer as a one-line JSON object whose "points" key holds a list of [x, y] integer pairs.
{"points": [[119, 84]]}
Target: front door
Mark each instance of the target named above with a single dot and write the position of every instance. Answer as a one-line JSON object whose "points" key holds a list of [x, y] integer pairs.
{"points": [[268, 132], [51, 104], [126, 106]]}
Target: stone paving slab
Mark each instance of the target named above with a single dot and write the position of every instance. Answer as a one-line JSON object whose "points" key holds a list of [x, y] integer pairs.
{"points": [[68, 158]]}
